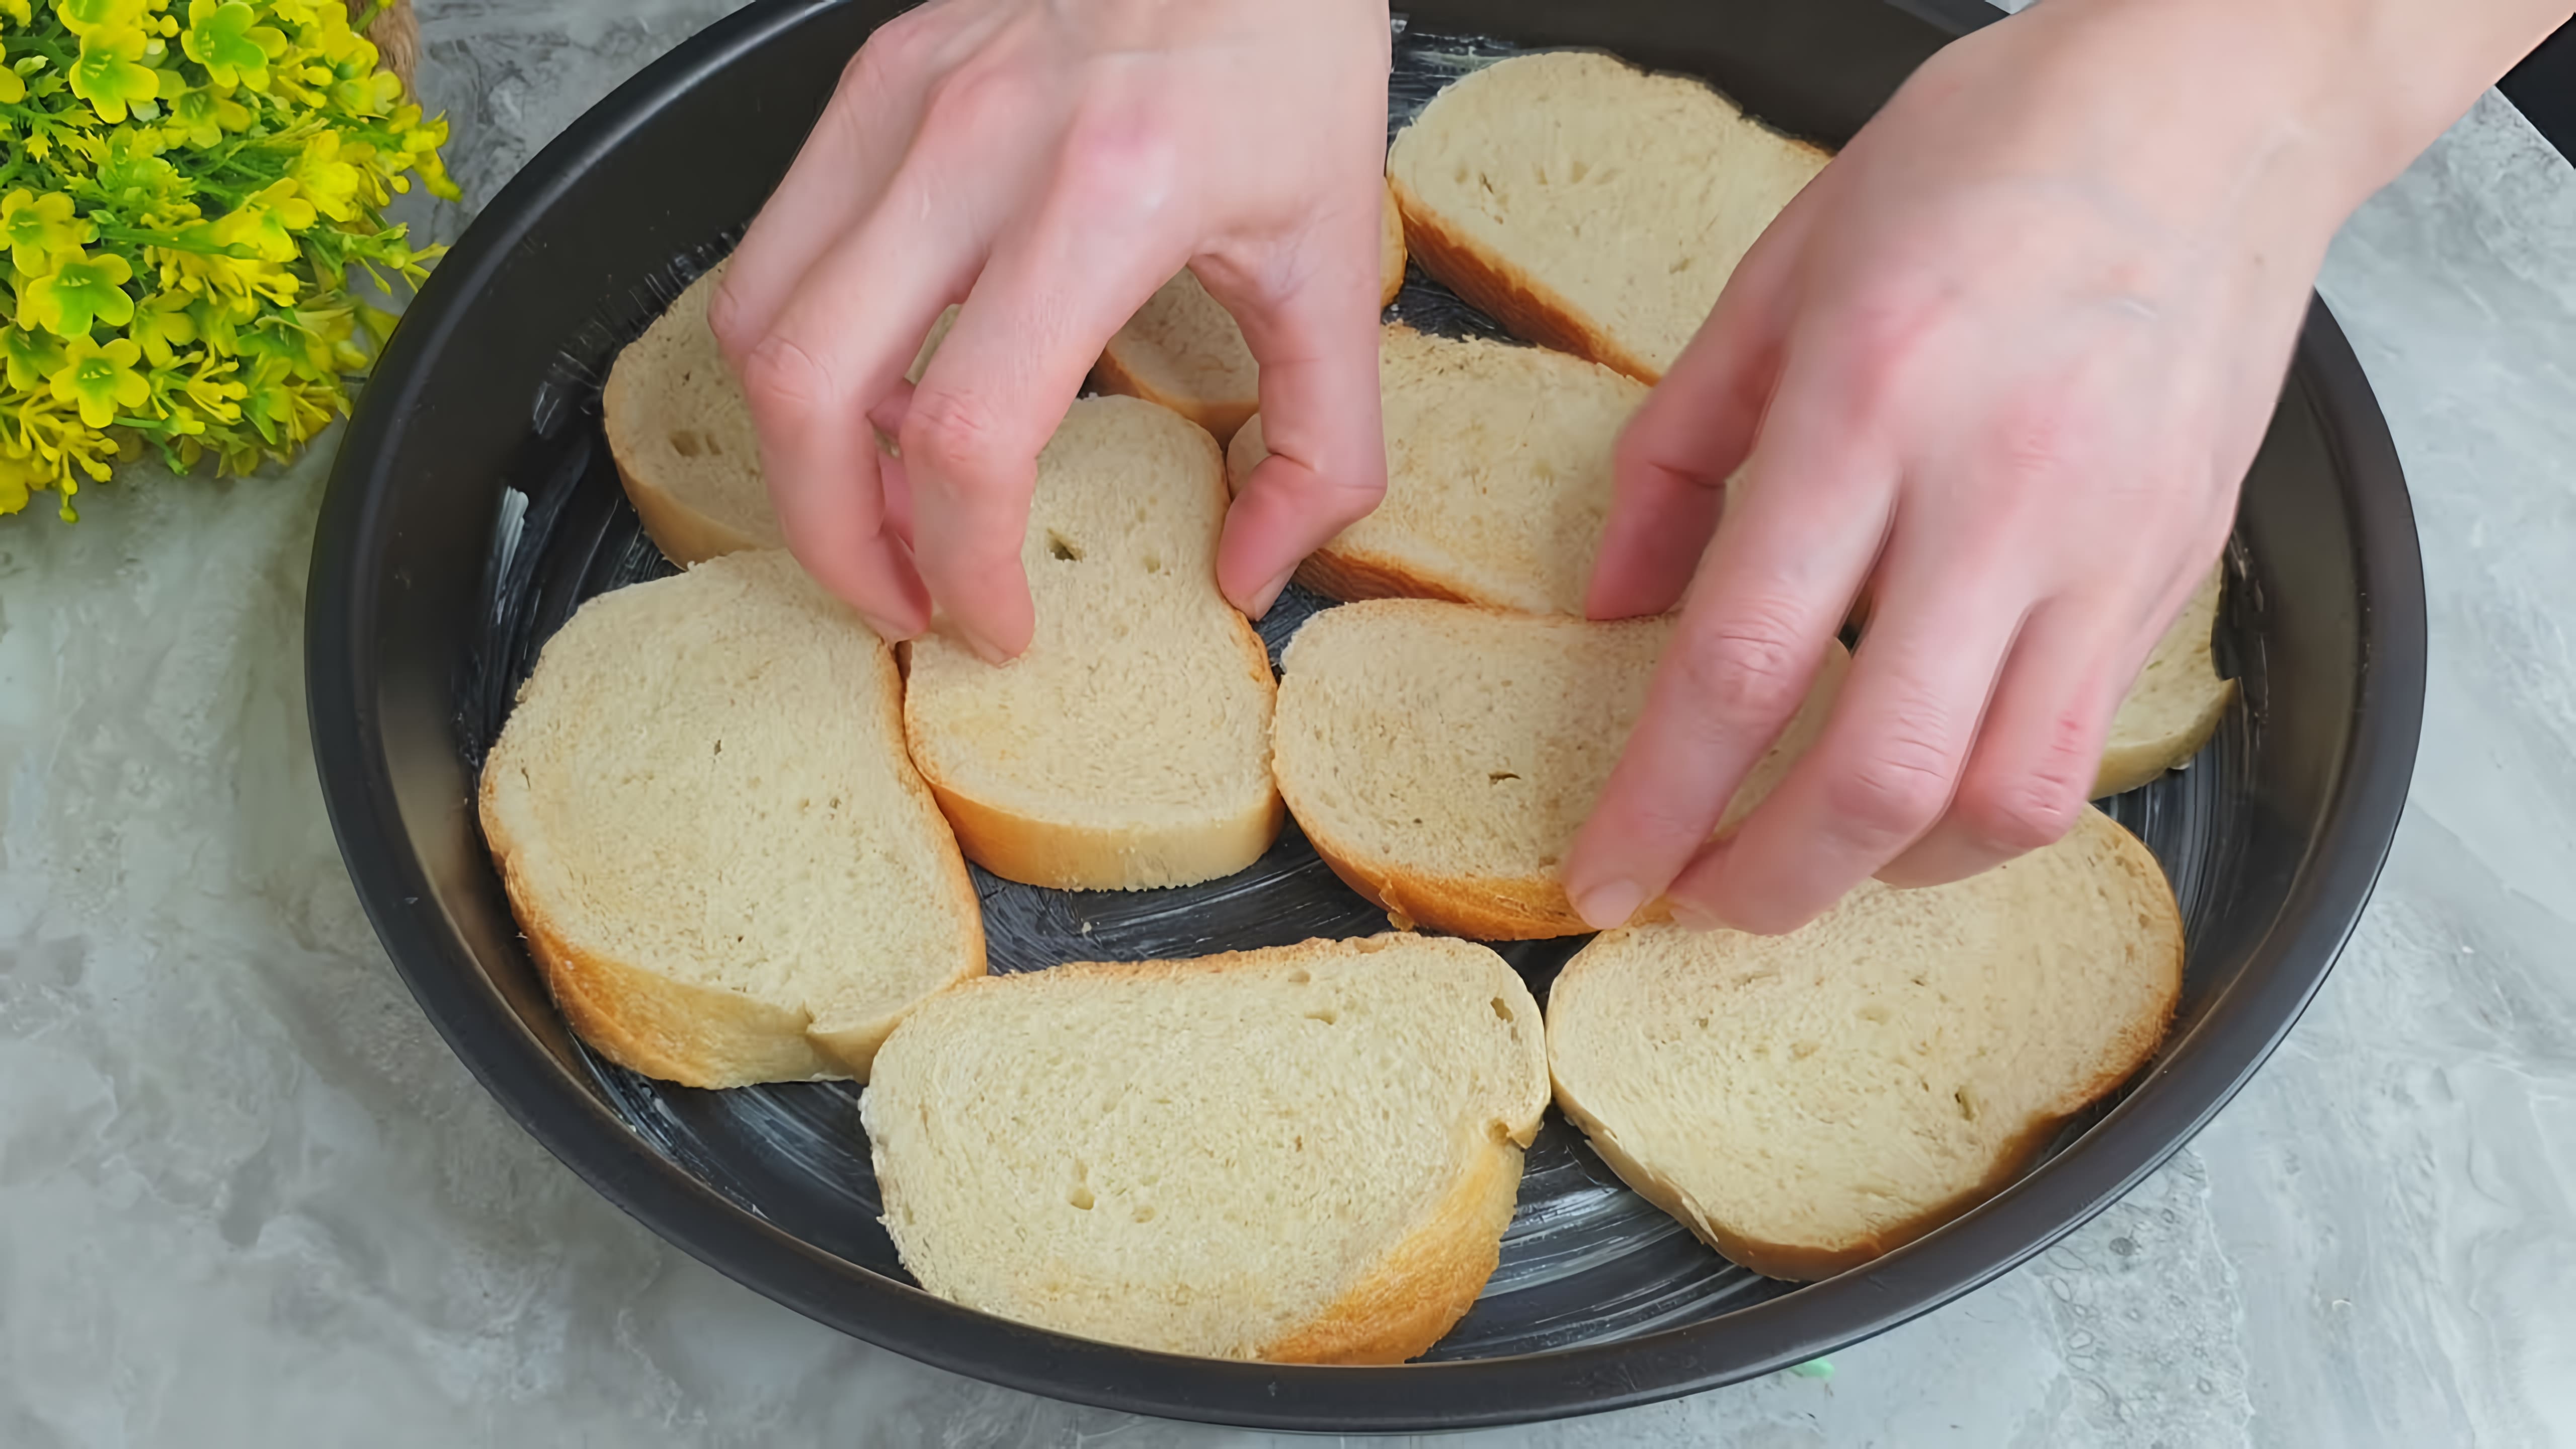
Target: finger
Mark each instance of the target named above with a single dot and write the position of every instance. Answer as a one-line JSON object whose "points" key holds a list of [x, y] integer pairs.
{"points": [[1769, 596], [1035, 322], [2036, 757], [1314, 330], [1676, 454], [838, 174], [1888, 762], [838, 346]]}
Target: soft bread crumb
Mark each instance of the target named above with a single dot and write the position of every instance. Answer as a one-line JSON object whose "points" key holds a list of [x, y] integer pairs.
{"points": [[704, 815], [1307, 1153], [1808, 1102], [1440, 756], [1590, 205], [1129, 746]]}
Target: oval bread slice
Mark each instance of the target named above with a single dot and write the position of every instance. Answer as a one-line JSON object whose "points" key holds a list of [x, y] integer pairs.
{"points": [[1807, 1102], [1130, 745], [1497, 476], [683, 439], [1306, 1154], [1440, 757], [1589, 205], [2177, 702], [707, 826], [1183, 350]]}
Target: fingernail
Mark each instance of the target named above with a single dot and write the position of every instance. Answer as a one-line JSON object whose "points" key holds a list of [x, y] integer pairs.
{"points": [[1694, 918], [885, 630], [988, 651], [1610, 904], [1262, 600]]}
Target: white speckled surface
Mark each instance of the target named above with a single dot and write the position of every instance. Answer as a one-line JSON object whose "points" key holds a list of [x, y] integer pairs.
{"points": [[248, 1199]]}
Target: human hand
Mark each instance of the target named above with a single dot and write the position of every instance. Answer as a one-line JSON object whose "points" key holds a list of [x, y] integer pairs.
{"points": [[1050, 165], [1999, 370]]}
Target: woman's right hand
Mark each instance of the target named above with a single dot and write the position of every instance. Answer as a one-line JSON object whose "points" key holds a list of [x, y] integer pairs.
{"points": [[1049, 164]]}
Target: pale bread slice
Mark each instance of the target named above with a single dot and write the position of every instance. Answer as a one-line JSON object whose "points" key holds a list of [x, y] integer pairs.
{"points": [[1589, 205], [683, 439], [1306, 1154], [1440, 756], [706, 823], [1497, 476], [2177, 702], [1129, 746], [1183, 350], [1807, 1102]]}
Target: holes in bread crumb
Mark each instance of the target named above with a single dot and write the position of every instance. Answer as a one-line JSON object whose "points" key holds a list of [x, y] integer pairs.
{"points": [[1063, 547], [1967, 1104], [1153, 563], [1081, 1198], [1300, 976], [690, 444], [1873, 1012], [1499, 776], [1801, 1050], [1681, 266], [1500, 1010], [1145, 1213], [1326, 1015], [1578, 170]]}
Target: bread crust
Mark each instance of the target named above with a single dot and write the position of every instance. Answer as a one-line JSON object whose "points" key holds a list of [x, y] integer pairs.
{"points": [[2128, 1052], [1481, 908], [694, 1034], [1069, 855], [1527, 307]]}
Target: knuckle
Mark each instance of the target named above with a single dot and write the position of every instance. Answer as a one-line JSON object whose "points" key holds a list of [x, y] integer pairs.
{"points": [[955, 434], [730, 323], [1897, 791], [785, 383], [2028, 813], [1751, 665]]}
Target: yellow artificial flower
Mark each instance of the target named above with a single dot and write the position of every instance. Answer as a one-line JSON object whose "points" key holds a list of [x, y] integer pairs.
{"points": [[77, 294], [99, 379], [39, 229]]}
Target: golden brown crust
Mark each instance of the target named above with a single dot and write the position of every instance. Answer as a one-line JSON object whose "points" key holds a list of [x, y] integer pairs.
{"points": [[1420, 1290], [1351, 576], [1390, 249], [1061, 855], [1481, 908], [1527, 307], [1807, 1262]]}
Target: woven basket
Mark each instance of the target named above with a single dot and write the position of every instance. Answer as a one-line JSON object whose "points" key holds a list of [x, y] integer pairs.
{"points": [[396, 33]]}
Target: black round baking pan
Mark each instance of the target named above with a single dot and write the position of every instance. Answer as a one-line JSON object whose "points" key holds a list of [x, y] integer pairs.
{"points": [[473, 508]]}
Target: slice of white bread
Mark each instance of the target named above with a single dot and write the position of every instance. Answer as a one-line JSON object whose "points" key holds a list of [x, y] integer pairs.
{"points": [[1589, 205], [1497, 476], [683, 439], [1182, 349], [1807, 1102], [1306, 1154], [703, 814], [2177, 702], [1130, 745], [1440, 756]]}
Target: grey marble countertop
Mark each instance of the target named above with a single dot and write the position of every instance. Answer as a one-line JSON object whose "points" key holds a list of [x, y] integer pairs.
{"points": [[248, 1199]]}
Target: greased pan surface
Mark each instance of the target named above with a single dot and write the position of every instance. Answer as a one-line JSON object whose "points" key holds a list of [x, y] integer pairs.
{"points": [[473, 507]]}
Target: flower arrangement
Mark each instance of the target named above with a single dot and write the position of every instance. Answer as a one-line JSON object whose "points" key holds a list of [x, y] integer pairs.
{"points": [[186, 189]]}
